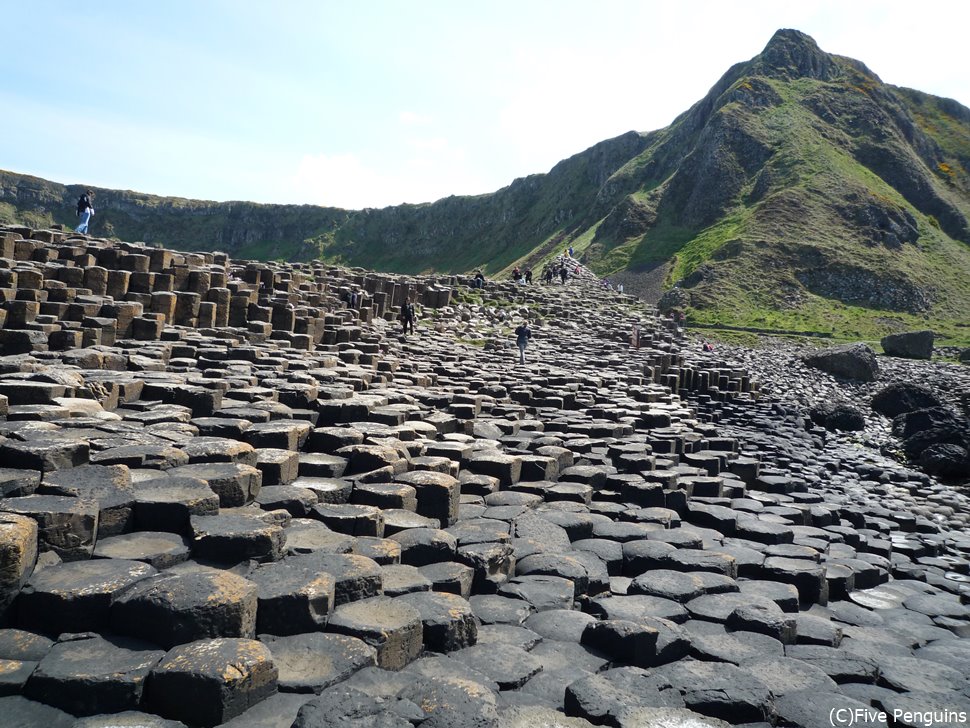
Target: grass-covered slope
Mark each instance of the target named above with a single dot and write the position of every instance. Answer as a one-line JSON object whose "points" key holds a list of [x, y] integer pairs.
{"points": [[800, 193], [803, 194]]}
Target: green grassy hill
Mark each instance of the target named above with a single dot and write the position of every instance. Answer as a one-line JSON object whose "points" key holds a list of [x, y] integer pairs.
{"points": [[801, 193]]}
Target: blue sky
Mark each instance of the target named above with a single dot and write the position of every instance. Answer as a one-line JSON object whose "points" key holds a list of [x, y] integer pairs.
{"points": [[372, 103]]}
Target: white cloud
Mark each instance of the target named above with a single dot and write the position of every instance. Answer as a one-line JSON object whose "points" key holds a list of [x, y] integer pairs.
{"points": [[410, 118], [347, 181]]}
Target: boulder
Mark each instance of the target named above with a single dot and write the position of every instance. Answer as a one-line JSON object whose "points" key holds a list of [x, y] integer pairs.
{"points": [[899, 397], [946, 460], [850, 361], [909, 345], [838, 417]]}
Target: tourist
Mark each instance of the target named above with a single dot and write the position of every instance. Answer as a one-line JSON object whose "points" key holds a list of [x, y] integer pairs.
{"points": [[84, 211], [522, 336], [563, 274], [528, 275], [707, 347], [516, 274], [548, 275], [479, 281], [407, 317], [570, 251]]}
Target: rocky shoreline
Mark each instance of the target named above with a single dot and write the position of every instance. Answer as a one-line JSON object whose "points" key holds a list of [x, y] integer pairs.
{"points": [[233, 493]]}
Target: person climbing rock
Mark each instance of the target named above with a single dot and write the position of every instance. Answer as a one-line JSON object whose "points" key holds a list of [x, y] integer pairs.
{"points": [[84, 211], [522, 335]]}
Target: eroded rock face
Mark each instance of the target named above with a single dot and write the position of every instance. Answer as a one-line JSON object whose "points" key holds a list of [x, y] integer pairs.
{"points": [[297, 514]]}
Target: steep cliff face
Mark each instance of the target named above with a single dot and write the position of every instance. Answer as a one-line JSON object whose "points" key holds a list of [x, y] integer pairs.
{"points": [[246, 229], [800, 192]]}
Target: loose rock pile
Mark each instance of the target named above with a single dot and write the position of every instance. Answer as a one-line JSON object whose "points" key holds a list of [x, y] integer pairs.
{"points": [[230, 499]]}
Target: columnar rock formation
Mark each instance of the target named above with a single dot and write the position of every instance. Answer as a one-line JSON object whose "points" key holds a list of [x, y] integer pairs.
{"points": [[233, 493]]}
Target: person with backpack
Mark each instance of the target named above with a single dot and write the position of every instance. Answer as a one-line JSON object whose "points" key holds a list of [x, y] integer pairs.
{"points": [[407, 317], [84, 211], [522, 335]]}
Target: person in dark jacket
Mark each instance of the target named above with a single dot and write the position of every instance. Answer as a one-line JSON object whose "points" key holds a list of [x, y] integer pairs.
{"points": [[84, 211], [407, 317], [522, 335]]}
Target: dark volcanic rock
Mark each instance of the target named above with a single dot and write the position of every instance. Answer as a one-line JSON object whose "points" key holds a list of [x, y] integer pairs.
{"points": [[910, 345], [838, 417], [638, 537], [899, 397], [224, 677], [850, 361], [87, 674]]}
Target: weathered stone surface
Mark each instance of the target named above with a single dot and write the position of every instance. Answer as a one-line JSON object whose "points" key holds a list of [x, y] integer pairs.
{"points": [[510, 667], [235, 484], [76, 596], [127, 719], [109, 485], [392, 626], [167, 504], [173, 609], [304, 535], [87, 674], [351, 706], [355, 577], [308, 663], [607, 697], [160, 549], [228, 539], [624, 641], [224, 677], [293, 596], [437, 494], [720, 690], [447, 619], [25, 713], [18, 554], [66, 525]]}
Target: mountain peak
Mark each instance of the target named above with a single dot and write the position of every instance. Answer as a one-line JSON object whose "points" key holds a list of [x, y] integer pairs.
{"points": [[793, 54]]}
